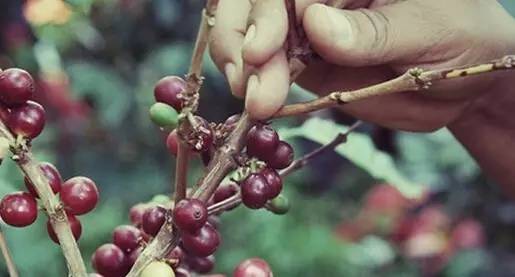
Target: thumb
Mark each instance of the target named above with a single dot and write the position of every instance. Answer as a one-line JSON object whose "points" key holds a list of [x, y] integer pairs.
{"points": [[369, 36]]}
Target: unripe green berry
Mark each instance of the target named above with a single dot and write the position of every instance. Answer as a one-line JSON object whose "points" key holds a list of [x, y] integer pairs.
{"points": [[278, 205], [164, 115], [160, 199], [157, 269]]}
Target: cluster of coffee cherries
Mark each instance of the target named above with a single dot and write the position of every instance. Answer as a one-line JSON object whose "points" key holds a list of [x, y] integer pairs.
{"points": [[263, 186], [26, 119], [199, 239]]}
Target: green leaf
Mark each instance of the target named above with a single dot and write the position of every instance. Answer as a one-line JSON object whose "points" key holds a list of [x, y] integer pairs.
{"points": [[359, 149]]}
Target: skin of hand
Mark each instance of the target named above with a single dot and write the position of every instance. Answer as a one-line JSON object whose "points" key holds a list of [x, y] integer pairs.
{"points": [[364, 42]]}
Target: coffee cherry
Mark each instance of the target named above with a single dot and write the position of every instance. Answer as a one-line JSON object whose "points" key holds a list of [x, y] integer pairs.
{"points": [[157, 269], [230, 122], [153, 219], [52, 174], [172, 142], [164, 115], [282, 157], [168, 90], [182, 272], [127, 237], [190, 215], [133, 256], [279, 205], [27, 120], [203, 243], [74, 225], [79, 195], [201, 265], [225, 191], [254, 191], [16, 87], [177, 255], [19, 209], [254, 267], [262, 141], [136, 213], [109, 260], [275, 184]]}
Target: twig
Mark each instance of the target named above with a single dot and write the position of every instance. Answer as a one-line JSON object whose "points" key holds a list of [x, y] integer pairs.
{"points": [[304, 160], [51, 203], [11, 266], [225, 204], [166, 239], [413, 80]]}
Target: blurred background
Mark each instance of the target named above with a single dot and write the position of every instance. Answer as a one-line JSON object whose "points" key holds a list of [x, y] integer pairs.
{"points": [[386, 203]]}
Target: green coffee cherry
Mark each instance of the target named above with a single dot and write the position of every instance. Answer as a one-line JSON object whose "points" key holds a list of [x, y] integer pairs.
{"points": [[164, 115], [278, 205], [160, 199], [157, 269]]}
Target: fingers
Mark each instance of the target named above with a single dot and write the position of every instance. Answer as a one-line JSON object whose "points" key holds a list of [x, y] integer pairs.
{"points": [[268, 88], [226, 42], [266, 32], [394, 32]]}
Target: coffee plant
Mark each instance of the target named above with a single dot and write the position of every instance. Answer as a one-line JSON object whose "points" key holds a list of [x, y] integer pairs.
{"points": [[246, 164]]}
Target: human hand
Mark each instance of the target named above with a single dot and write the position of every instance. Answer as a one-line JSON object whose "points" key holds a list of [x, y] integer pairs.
{"points": [[367, 43]]}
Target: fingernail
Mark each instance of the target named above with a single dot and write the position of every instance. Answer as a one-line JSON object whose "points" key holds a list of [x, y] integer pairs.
{"points": [[340, 25], [230, 72], [249, 36]]}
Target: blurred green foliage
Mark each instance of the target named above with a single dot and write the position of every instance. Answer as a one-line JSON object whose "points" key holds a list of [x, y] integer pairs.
{"points": [[114, 51]]}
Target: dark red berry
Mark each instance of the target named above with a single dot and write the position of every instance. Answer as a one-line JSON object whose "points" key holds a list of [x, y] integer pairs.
{"points": [[201, 265], [53, 176], [225, 191], [254, 191], [176, 256], [254, 267], [133, 256], [27, 120], [262, 141], [19, 209], [16, 87], [74, 225], [168, 89], [172, 142], [127, 237], [189, 215], [4, 113], [79, 195], [153, 219], [182, 272], [230, 122], [203, 243], [136, 213], [275, 184], [282, 157], [110, 261]]}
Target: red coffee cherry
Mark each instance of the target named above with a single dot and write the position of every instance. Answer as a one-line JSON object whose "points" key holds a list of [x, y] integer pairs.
{"points": [[254, 191], [254, 267], [127, 237], [201, 265], [109, 260], [27, 120], [177, 255], [136, 213], [262, 141], [19, 209], [153, 219], [182, 272], [74, 225], [168, 89], [16, 87], [203, 243], [52, 174], [79, 195], [225, 191], [133, 256], [275, 184], [282, 157], [230, 122], [172, 142], [189, 215]]}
